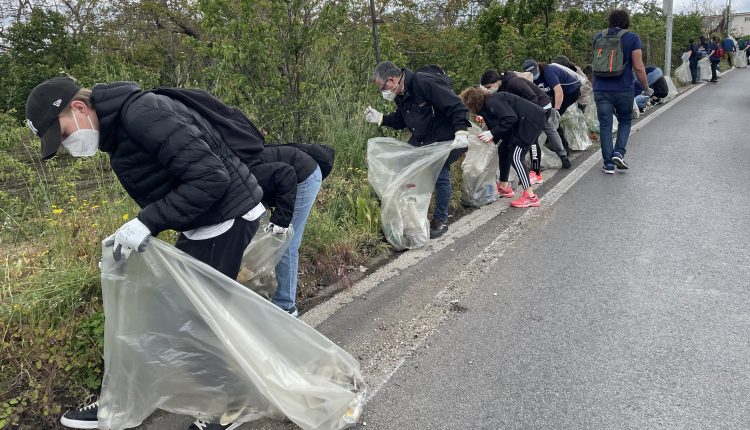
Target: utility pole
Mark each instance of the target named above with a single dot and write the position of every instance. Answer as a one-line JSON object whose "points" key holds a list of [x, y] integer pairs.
{"points": [[375, 23], [729, 15], [668, 46]]}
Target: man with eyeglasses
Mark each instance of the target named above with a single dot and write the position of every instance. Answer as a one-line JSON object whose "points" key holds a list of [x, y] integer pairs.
{"points": [[428, 107]]}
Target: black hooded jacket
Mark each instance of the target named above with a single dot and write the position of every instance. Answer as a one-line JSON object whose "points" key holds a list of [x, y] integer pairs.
{"points": [[278, 169], [513, 119], [524, 88], [429, 109], [170, 160]]}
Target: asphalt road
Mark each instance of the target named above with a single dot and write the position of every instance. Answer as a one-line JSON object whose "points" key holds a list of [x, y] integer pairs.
{"points": [[622, 302], [628, 306]]}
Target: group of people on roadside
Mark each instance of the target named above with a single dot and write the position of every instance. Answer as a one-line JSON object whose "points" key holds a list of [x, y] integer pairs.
{"points": [[199, 167], [715, 50], [513, 111], [193, 165]]}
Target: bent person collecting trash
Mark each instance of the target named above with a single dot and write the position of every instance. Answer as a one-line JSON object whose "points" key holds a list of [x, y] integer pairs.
{"points": [[427, 106], [183, 159]]}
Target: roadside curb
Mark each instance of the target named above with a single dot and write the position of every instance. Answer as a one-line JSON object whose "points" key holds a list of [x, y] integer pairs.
{"points": [[463, 227]]}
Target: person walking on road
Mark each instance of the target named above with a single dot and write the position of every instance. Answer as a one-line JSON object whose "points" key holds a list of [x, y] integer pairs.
{"points": [[175, 164], [514, 122], [617, 55], [427, 106]]}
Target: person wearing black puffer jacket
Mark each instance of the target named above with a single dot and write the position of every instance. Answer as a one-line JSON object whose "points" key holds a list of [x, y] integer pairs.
{"points": [[170, 159], [290, 180]]}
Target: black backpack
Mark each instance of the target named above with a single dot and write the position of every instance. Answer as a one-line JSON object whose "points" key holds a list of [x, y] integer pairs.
{"points": [[438, 72]]}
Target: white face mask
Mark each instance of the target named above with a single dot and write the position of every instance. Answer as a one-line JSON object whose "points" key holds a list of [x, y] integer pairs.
{"points": [[388, 95], [82, 142], [535, 76], [492, 89]]}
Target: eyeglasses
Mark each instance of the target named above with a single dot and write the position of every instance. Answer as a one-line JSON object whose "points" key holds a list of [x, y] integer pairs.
{"points": [[382, 88]]}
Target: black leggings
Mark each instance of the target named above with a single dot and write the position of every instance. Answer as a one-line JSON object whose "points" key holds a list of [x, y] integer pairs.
{"points": [[536, 157], [513, 154]]}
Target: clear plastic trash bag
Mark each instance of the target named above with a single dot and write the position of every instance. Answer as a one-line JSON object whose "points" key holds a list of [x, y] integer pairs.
{"points": [[683, 74], [404, 176], [550, 160], [479, 186], [576, 130], [592, 120], [260, 258], [182, 337], [740, 58], [704, 69], [672, 94]]}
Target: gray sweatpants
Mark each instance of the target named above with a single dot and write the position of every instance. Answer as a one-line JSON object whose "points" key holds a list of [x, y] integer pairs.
{"points": [[550, 130]]}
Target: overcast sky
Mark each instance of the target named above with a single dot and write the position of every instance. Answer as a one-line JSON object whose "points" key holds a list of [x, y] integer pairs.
{"points": [[737, 5]]}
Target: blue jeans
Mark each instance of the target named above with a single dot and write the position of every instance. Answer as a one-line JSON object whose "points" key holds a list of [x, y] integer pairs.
{"points": [[287, 269], [443, 187], [609, 104]]}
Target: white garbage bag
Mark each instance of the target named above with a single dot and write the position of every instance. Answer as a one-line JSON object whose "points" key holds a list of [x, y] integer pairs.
{"points": [[587, 90], [636, 111], [576, 130], [592, 120], [683, 74], [260, 259], [704, 69], [182, 337], [404, 176], [479, 167], [672, 94], [740, 58], [550, 160]]}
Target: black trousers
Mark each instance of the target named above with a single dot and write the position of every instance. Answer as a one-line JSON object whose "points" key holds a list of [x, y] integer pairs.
{"points": [[569, 99], [223, 252], [714, 65]]}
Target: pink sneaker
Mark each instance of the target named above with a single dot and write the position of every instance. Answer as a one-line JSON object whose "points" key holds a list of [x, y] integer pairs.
{"points": [[535, 178], [506, 192], [526, 201]]}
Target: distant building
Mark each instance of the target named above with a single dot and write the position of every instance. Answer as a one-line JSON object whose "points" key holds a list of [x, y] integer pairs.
{"points": [[739, 24]]}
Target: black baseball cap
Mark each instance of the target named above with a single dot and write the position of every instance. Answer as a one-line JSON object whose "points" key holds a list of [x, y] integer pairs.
{"points": [[43, 107], [531, 66]]}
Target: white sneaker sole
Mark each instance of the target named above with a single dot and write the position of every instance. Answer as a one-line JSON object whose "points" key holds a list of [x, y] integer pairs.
{"points": [[75, 424]]}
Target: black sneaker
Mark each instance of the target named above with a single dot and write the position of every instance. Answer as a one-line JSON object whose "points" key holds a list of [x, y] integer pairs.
{"points": [[619, 162], [565, 162], [84, 418], [203, 425], [437, 228], [293, 311], [610, 170]]}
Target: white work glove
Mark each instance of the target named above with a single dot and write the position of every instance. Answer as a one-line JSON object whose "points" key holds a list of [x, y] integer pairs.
{"points": [[461, 140], [648, 92], [486, 137], [373, 116], [275, 229], [131, 235]]}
